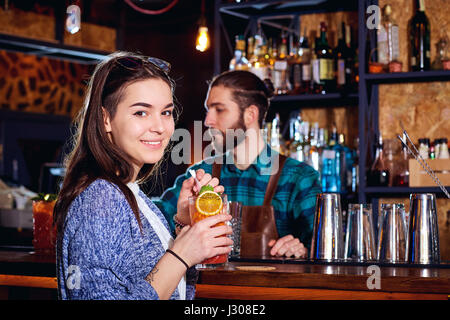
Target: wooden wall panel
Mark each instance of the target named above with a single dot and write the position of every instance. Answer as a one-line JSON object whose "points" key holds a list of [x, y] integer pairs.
{"points": [[421, 107], [42, 27], [27, 24], [35, 84], [92, 36]]}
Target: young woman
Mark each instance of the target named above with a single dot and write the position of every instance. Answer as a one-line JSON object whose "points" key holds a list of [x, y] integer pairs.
{"points": [[113, 242]]}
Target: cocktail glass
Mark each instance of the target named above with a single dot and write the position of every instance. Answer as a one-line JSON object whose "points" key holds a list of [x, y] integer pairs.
{"points": [[196, 216], [44, 233]]}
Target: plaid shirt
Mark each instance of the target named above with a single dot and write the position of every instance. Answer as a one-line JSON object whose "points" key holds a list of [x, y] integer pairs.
{"points": [[293, 202]]}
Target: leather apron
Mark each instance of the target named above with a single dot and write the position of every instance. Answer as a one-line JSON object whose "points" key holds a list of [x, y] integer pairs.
{"points": [[258, 222]]}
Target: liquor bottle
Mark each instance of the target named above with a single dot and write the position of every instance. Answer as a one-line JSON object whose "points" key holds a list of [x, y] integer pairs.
{"points": [[272, 56], [392, 34], [402, 178], [288, 143], [347, 165], [382, 44], [239, 61], [315, 68], [443, 149], [294, 66], [313, 159], [304, 132], [341, 60], [296, 148], [341, 163], [250, 48], [437, 146], [325, 56], [441, 61], [275, 136], [280, 69], [432, 152], [424, 148], [304, 54], [378, 174], [331, 180], [276, 140], [259, 65], [321, 146], [419, 33], [353, 60], [355, 168]]}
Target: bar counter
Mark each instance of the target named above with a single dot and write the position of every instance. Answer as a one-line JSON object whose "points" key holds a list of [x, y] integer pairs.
{"points": [[269, 279]]}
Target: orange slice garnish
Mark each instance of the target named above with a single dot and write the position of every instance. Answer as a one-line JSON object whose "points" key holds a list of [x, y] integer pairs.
{"points": [[209, 203]]}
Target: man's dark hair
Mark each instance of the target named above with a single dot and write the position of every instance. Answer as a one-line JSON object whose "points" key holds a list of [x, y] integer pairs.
{"points": [[248, 89]]}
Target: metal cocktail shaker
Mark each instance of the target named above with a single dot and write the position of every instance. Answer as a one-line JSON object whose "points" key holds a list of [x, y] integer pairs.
{"points": [[327, 242], [423, 235], [392, 236]]}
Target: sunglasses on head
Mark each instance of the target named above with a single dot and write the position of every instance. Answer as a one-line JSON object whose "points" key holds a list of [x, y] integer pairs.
{"points": [[133, 63]]}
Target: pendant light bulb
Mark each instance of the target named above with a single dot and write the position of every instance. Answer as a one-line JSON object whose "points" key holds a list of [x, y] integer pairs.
{"points": [[203, 42]]}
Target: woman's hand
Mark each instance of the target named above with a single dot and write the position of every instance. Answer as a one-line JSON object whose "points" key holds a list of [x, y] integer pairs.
{"points": [[204, 239], [189, 189]]}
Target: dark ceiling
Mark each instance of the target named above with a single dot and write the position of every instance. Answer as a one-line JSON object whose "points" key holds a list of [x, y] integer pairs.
{"points": [[108, 12]]}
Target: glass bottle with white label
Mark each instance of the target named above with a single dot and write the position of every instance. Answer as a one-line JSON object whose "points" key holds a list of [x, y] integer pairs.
{"points": [[280, 69], [340, 52], [304, 54], [392, 34], [296, 148]]}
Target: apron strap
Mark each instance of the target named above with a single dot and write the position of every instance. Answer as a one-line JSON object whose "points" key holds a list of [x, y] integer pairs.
{"points": [[217, 167], [271, 186], [273, 182]]}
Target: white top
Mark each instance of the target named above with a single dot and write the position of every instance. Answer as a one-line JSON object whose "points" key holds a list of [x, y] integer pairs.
{"points": [[160, 229]]}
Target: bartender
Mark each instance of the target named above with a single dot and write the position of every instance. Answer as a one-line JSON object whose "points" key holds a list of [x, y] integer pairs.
{"points": [[278, 193]]}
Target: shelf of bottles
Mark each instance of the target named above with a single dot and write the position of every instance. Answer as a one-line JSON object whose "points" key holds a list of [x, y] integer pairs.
{"points": [[389, 172], [326, 152], [384, 65], [310, 70], [299, 69]]}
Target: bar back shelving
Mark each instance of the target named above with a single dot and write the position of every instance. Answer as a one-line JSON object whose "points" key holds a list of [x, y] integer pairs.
{"points": [[287, 16]]}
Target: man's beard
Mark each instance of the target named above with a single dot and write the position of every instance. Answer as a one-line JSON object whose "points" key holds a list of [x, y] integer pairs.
{"points": [[231, 138]]}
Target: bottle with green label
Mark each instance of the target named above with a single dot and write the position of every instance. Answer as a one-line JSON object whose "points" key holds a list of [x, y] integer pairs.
{"points": [[327, 82]]}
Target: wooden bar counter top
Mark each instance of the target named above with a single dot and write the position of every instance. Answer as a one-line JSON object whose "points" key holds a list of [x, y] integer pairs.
{"points": [[270, 279], [296, 279]]}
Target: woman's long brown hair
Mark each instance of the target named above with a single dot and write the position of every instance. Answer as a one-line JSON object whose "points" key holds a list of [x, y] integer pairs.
{"points": [[94, 156]]}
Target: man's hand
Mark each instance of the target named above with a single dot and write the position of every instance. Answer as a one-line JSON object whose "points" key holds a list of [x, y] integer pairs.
{"points": [[288, 246]]}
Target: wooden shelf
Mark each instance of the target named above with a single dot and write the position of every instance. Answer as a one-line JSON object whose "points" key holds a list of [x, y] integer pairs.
{"points": [[390, 191], [353, 97], [404, 77], [51, 49]]}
